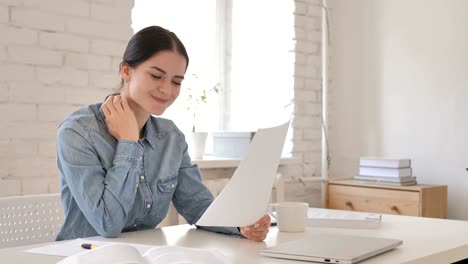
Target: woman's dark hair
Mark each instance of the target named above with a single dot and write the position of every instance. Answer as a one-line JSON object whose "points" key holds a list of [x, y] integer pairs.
{"points": [[149, 41]]}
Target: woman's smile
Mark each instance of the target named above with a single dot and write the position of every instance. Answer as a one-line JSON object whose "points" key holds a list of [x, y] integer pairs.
{"points": [[159, 99]]}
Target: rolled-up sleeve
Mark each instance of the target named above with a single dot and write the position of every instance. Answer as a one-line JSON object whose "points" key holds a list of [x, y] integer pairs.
{"points": [[104, 196]]}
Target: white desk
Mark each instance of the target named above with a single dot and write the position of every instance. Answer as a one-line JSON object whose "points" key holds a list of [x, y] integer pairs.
{"points": [[445, 240]]}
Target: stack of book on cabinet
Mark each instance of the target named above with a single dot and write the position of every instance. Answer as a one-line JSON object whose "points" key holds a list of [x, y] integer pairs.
{"points": [[392, 171]]}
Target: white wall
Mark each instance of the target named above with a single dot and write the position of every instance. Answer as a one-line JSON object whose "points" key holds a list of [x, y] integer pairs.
{"points": [[400, 88]]}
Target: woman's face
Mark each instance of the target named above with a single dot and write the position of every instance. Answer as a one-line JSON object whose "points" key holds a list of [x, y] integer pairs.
{"points": [[154, 85]]}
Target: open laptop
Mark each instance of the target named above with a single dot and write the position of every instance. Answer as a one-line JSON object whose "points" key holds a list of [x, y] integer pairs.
{"points": [[327, 248]]}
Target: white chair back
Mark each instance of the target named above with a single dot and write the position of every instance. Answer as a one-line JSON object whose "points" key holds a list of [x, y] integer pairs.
{"points": [[29, 219]]}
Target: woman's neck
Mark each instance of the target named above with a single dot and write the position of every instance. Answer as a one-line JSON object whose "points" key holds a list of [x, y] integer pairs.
{"points": [[141, 117]]}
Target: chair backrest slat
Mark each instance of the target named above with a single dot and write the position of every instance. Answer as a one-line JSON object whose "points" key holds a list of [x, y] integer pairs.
{"points": [[29, 219]]}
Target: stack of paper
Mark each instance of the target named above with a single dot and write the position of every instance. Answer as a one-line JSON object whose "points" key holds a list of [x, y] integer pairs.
{"points": [[319, 217]]}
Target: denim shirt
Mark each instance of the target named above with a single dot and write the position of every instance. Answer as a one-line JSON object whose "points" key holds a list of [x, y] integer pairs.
{"points": [[111, 186]]}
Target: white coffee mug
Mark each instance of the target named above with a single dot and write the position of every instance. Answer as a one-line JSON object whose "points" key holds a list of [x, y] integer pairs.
{"points": [[289, 216]]}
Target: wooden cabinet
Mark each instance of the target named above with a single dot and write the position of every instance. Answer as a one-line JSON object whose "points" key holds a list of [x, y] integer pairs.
{"points": [[416, 200]]}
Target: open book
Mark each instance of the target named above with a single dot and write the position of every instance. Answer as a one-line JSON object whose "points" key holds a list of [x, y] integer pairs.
{"points": [[120, 253]]}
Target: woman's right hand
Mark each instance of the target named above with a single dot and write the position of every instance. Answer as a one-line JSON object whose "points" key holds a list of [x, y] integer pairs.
{"points": [[120, 120]]}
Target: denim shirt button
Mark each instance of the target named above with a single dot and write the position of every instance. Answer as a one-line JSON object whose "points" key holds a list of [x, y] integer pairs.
{"points": [[142, 177], [172, 185], [134, 225], [136, 185], [148, 205]]}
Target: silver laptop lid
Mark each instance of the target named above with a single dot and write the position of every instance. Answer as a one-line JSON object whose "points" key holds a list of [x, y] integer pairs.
{"points": [[329, 248]]}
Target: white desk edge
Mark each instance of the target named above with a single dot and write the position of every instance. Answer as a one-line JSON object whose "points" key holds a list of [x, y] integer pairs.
{"points": [[425, 240]]}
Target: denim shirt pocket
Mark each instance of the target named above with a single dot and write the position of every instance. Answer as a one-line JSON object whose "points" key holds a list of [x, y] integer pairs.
{"points": [[166, 188], [167, 184]]}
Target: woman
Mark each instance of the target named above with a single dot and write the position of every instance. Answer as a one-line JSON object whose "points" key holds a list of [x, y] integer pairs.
{"points": [[121, 167]]}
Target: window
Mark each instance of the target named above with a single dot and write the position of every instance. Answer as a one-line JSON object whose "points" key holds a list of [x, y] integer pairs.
{"points": [[262, 63], [246, 46], [194, 22]]}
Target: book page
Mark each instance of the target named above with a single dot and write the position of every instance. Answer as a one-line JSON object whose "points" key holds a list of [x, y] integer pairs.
{"points": [[184, 255], [245, 198], [72, 247]]}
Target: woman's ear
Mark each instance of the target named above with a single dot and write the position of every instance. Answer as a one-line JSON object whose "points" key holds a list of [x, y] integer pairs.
{"points": [[125, 71]]}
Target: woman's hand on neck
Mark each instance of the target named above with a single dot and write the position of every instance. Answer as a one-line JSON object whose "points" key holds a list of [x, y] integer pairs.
{"points": [[120, 119], [140, 115]]}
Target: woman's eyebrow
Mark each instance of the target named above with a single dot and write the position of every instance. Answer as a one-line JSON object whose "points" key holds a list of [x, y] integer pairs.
{"points": [[161, 70]]}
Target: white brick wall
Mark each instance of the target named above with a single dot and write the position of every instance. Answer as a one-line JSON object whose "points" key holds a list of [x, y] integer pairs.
{"points": [[47, 148], [65, 42], [35, 56], [16, 72], [107, 47], [307, 119], [99, 29], [14, 35], [17, 148], [37, 19], [60, 7], [104, 80], [83, 96], [4, 14], [34, 93], [3, 53], [4, 91], [102, 12], [18, 112], [62, 75], [10, 187], [88, 61], [53, 112], [55, 56]]}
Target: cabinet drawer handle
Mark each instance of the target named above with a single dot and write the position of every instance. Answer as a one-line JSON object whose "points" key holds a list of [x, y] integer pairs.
{"points": [[395, 208], [349, 204]]}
